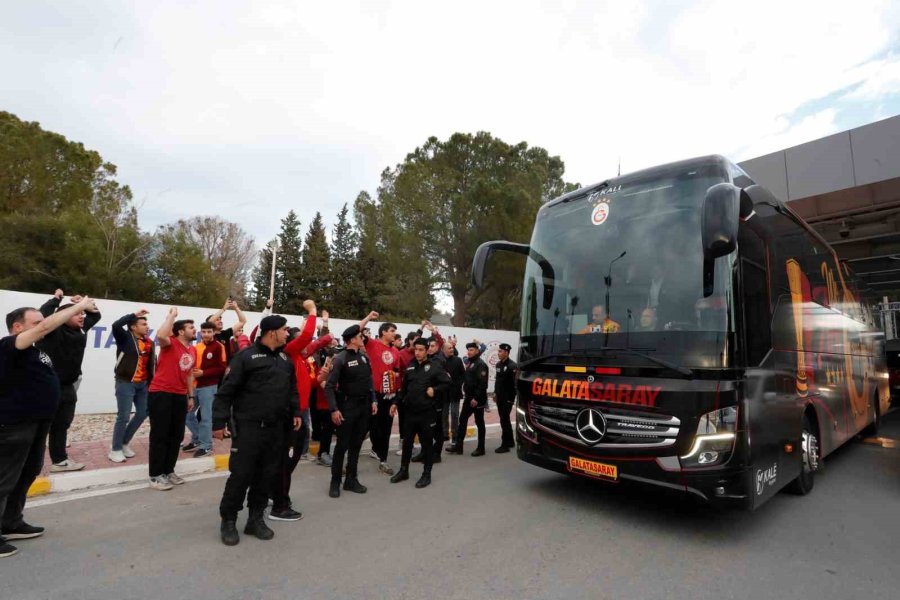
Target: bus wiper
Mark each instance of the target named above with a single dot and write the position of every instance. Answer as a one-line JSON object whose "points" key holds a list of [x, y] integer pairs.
{"points": [[689, 373]]}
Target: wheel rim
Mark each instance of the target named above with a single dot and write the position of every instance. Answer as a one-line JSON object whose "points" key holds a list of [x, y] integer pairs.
{"points": [[810, 452]]}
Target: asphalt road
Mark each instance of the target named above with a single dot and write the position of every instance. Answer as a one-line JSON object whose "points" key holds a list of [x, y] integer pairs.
{"points": [[489, 527]]}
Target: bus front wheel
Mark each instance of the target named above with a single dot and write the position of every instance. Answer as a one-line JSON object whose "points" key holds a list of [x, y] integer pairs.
{"points": [[809, 460]]}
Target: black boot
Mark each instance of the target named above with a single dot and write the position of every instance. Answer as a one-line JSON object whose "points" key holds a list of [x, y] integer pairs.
{"points": [[402, 475], [229, 533], [335, 490], [425, 479], [436, 459], [352, 484], [454, 449], [477, 452], [256, 525], [502, 449], [418, 457]]}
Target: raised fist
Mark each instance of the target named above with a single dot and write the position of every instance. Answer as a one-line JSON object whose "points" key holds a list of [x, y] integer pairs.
{"points": [[173, 312], [142, 313], [270, 303], [76, 299], [324, 315], [309, 306], [373, 315], [59, 293]]}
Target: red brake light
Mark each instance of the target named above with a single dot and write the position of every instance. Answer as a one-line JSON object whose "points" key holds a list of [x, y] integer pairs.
{"points": [[608, 371]]}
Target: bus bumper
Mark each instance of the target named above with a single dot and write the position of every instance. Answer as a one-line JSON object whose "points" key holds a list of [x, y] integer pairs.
{"points": [[726, 485]]}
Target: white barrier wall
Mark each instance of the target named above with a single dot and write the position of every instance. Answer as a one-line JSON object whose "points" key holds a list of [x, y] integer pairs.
{"points": [[96, 393]]}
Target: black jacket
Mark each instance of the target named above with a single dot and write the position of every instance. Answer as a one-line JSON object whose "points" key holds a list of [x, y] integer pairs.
{"points": [[261, 386], [476, 381], [127, 350], [416, 381], [457, 372], [350, 377], [505, 380], [65, 345]]}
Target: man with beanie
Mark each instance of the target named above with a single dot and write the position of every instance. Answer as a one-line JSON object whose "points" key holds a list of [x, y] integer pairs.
{"points": [[424, 384], [259, 394], [65, 347], [505, 394], [351, 400], [475, 399]]}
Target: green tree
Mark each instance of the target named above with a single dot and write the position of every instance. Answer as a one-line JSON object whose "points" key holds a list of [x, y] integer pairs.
{"points": [[226, 247], [180, 273], [262, 278], [289, 289], [316, 258], [458, 193], [343, 275]]}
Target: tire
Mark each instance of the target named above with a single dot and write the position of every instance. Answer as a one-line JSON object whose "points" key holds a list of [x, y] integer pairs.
{"points": [[872, 429], [810, 442]]}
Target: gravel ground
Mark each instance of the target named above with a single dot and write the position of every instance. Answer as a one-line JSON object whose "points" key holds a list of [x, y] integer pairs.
{"points": [[91, 428]]}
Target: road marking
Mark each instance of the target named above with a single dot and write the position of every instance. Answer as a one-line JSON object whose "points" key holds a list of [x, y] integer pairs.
{"points": [[116, 489]]}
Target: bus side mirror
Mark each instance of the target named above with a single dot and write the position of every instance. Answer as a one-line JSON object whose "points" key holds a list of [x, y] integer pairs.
{"points": [[479, 264], [718, 227]]}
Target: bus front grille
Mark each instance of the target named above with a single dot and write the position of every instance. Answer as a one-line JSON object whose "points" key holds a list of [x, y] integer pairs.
{"points": [[624, 428]]}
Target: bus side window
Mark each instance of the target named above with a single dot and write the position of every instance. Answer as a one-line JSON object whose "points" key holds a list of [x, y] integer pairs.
{"points": [[757, 320]]}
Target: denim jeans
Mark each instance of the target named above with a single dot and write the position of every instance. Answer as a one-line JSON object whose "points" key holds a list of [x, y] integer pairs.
{"points": [[129, 395], [201, 429]]}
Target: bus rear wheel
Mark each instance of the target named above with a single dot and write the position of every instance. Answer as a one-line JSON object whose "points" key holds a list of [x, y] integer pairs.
{"points": [[872, 429], [809, 460]]}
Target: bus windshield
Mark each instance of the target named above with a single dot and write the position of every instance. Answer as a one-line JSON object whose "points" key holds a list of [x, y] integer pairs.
{"points": [[633, 249]]}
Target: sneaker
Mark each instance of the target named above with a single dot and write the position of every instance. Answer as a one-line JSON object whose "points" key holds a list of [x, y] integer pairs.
{"points": [[373, 455], [160, 483], [189, 447], [117, 456], [23, 532], [174, 479], [127, 451], [66, 465], [399, 452], [384, 468], [7, 549], [201, 452], [285, 514], [324, 460]]}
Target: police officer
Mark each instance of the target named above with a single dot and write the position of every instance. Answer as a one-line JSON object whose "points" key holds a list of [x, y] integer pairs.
{"points": [[424, 384], [351, 400], [259, 394], [505, 394], [442, 402], [474, 402]]}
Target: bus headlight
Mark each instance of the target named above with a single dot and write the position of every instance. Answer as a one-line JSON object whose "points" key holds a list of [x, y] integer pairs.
{"points": [[714, 440], [522, 423]]}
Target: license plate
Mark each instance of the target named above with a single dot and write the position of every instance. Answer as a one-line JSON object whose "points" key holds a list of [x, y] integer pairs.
{"points": [[593, 469]]}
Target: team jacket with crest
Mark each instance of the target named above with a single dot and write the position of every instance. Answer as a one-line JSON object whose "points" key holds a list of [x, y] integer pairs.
{"points": [[475, 386], [420, 376], [261, 385]]}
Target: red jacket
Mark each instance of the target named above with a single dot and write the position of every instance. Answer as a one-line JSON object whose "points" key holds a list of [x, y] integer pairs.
{"points": [[301, 348], [211, 359]]}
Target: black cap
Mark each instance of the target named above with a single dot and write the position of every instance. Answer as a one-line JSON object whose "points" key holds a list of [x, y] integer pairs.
{"points": [[506, 347], [271, 323], [350, 333], [473, 345]]}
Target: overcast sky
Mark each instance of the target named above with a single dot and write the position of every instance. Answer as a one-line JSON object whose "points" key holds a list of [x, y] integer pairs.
{"points": [[249, 109]]}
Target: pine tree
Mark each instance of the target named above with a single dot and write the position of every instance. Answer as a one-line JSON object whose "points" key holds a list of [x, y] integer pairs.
{"points": [[289, 295], [262, 275], [316, 258], [343, 275], [371, 264]]}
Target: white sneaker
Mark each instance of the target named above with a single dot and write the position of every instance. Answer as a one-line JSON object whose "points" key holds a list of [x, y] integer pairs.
{"points": [[66, 465], [160, 483], [127, 451], [117, 456], [373, 455], [304, 456], [174, 479]]}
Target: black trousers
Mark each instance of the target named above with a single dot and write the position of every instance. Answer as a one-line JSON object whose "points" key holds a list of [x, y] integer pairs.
{"points": [[62, 420], [256, 449], [422, 424], [21, 460], [504, 409], [167, 416], [326, 431], [437, 431], [350, 436], [291, 450], [380, 428], [465, 412]]}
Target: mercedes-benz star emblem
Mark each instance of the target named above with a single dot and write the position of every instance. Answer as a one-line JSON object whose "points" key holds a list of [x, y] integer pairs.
{"points": [[591, 426]]}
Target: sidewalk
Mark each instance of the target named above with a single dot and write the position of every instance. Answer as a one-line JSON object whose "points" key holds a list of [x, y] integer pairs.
{"points": [[100, 471]]}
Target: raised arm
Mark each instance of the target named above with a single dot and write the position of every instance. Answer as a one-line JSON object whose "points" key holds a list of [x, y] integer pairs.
{"points": [[368, 317], [240, 315], [49, 307], [165, 330], [29, 337]]}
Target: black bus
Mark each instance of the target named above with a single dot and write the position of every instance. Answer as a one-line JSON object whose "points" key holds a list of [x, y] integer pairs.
{"points": [[682, 327]]}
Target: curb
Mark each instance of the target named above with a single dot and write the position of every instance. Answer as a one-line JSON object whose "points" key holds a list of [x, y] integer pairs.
{"points": [[82, 480]]}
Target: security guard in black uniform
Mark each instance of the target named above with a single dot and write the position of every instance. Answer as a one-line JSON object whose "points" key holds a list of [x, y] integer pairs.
{"points": [[351, 400], [424, 384], [258, 395], [474, 402], [505, 394], [439, 361]]}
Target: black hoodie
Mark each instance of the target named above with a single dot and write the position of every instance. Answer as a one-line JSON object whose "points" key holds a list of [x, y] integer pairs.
{"points": [[65, 345]]}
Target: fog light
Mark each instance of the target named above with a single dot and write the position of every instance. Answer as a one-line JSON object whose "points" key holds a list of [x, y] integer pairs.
{"points": [[707, 457], [720, 491]]}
